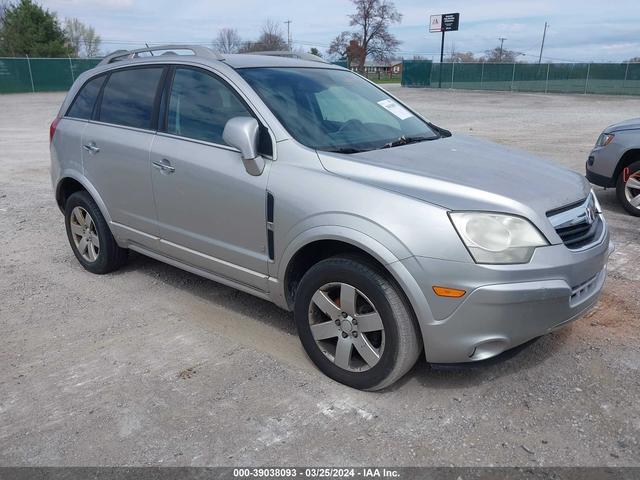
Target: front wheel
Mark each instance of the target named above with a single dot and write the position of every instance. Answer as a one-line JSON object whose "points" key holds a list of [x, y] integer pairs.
{"points": [[355, 324], [628, 188]]}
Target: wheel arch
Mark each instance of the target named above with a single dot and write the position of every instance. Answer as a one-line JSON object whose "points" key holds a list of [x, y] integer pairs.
{"points": [[628, 157], [319, 243], [71, 182]]}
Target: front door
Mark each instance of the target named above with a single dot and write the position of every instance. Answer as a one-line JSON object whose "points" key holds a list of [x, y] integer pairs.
{"points": [[211, 212]]}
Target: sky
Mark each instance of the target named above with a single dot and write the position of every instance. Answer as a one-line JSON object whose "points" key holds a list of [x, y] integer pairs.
{"points": [[580, 31]]}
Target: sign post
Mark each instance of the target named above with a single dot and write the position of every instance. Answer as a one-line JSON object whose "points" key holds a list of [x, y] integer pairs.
{"points": [[447, 22]]}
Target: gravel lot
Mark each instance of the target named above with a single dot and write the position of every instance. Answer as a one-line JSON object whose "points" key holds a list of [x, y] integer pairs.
{"points": [[154, 366]]}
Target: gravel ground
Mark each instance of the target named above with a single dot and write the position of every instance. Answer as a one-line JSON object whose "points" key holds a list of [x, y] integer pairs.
{"points": [[154, 366]]}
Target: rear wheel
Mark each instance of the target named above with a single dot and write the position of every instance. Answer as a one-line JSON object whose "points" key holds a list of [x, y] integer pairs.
{"points": [[355, 324], [628, 188], [90, 237]]}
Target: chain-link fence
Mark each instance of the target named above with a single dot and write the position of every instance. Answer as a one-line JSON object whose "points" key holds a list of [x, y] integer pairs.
{"points": [[595, 78], [19, 75]]}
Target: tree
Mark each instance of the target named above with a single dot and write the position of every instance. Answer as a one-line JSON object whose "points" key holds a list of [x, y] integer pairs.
{"points": [[271, 38], [82, 39], [315, 51], [371, 21], [500, 55], [633, 60], [228, 40], [29, 29], [74, 29], [91, 42], [340, 45], [462, 57], [4, 5]]}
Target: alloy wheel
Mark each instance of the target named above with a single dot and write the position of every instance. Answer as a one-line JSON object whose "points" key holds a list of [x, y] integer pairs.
{"points": [[84, 234], [632, 189], [346, 327]]}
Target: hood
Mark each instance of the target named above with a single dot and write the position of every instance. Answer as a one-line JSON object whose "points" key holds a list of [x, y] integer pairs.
{"points": [[465, 173], [632, 124]]}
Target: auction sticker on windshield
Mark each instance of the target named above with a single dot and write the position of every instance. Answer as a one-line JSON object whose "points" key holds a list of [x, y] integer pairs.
{"points": [[398, 110]]}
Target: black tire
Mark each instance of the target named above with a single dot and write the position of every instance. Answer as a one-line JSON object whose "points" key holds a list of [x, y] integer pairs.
{"points": [[620, 190], [110, 256], [402, 344]]}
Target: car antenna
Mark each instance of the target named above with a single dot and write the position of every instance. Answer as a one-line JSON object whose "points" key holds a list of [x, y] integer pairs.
{"points": [[150, 51]]}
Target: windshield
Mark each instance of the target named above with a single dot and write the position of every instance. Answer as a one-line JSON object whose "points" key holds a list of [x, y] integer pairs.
{"points": [[335, 110]]}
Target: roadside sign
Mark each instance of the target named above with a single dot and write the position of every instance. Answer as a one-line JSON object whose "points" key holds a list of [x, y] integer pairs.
{"points": [[447, 22], [450, 21], [436, 24]]}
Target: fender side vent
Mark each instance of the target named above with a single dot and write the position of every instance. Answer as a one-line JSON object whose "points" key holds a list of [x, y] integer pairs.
{"points": [[270, 202], [270, 216]]}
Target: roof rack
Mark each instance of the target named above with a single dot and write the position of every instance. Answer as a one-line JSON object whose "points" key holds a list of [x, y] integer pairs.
{"points": [[197, 50], [285, 53]]}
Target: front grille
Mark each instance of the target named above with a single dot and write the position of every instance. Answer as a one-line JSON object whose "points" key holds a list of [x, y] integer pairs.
{"points": [[578, 225]]}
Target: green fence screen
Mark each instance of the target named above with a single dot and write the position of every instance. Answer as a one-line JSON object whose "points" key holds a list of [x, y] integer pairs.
{"points": [[416, 73], [57, 74], [596, 78], [41, 74]]}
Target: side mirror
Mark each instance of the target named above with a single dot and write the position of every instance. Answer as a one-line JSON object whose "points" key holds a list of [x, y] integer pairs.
{"points": [[242, 133]]}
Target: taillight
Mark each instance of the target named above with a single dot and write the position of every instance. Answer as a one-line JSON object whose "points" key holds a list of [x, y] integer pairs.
{"points": [[52, 128]]}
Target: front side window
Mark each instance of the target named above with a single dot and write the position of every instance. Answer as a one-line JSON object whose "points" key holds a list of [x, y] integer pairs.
{"points": [[129, 96], [82, 106], [200, 106], [335, 110]]}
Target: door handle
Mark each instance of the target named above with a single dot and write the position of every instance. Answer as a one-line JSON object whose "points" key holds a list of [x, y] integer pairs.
{"points": [[91, 147], [164, 166]]}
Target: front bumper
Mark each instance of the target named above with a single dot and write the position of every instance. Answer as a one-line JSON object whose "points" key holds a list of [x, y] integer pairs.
{"points": [[602, 163], [506, 305]]}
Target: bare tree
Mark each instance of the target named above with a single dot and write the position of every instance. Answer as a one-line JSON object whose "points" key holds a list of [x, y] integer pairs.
{"points": [[228, 40], [81, 38], [500, 55], [462, 57], [371, 21], [348, 46], [271, 38], [340, 44], [74, 30], [91, 42]]}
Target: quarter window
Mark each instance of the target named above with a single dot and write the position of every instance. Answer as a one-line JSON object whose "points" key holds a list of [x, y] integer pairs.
{"points": [[200, 106], [129, 96], [82, 106]]}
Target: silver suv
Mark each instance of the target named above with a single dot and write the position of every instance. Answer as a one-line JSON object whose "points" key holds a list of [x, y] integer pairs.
{"points": [[615, 162], [304, 184]]}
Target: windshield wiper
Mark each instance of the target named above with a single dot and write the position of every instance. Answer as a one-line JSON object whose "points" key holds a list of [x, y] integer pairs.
{"points": [[345, 150], [403, 140]]}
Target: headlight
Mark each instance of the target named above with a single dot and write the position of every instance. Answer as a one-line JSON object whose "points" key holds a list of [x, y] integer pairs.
{"points": [[497, 237], [605, 139]]}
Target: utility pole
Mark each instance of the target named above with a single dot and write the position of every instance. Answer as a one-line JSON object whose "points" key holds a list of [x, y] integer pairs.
{"points": [[502, 39], [544, 34], [288, 22]]}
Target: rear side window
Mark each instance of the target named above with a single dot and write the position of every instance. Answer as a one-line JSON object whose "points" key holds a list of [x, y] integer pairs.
{"points": [[82, 106], [200, 106], [128, 97]]}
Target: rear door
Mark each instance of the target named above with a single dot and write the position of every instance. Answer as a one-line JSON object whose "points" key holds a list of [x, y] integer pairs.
{"points": [[68, 139], [116, 145], [211, 211]]}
